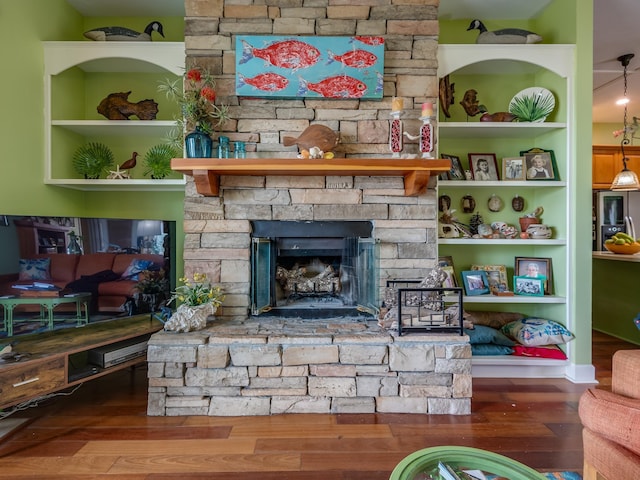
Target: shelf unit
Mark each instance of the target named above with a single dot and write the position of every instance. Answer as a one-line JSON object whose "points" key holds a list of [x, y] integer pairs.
{"points": [[35, 238], [498, 72], [92, 70]]}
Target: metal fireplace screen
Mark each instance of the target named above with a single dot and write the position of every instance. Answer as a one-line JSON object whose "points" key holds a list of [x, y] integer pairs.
{"points": [[313, 269]]}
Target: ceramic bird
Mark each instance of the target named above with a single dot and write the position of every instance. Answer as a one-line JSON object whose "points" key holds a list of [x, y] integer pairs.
{"points": [[506, 35], [314, 136], [129, 164], [470, 103], [122, 34]]}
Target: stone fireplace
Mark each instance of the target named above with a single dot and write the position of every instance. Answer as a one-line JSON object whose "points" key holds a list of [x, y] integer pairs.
{"points": [[256, 359]]}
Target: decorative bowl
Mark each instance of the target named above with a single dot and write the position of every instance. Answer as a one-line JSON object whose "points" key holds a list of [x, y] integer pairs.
{"points": [[627, 248]]}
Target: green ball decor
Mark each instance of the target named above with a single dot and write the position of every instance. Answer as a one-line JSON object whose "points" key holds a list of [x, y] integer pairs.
{"points": [[92, 159]]}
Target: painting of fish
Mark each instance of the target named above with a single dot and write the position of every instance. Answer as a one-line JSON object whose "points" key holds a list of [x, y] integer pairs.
{"points": [[319, 66]]}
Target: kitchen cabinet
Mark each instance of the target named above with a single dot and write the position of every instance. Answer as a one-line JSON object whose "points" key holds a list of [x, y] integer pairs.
{"points": [[607, 163], [78, 75], [500, 72]]}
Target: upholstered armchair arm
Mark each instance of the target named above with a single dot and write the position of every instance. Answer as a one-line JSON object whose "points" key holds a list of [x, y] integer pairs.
{"points": [[625, 373]]}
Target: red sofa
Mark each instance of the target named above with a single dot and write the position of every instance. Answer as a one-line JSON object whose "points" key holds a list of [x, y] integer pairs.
{"points": [[65, 269]]}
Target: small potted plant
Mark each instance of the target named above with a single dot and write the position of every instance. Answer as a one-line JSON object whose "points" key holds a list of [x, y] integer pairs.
{"points": [[92, 159], [151, 290], [158, 160], [199, 300]]}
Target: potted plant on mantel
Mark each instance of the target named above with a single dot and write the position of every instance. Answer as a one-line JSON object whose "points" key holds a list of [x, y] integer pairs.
{"points": [[200, 116]]}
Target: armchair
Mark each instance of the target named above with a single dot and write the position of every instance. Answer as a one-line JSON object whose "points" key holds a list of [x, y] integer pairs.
{"points": [[611, 421]]}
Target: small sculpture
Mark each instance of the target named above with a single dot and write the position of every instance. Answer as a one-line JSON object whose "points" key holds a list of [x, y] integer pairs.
{"points": [[495, 117], [123, 34], [116, 106], [470, 103], [506, 35], [446, 91], [315, 135], [122, 171]]}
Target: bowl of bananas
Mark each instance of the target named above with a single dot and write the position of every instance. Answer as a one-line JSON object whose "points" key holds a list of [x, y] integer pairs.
{"points": [[623, 244]]}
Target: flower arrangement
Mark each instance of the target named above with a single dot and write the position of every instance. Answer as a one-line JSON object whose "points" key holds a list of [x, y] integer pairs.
{"points": [[152, 281], [198, 291], [196, 96]]}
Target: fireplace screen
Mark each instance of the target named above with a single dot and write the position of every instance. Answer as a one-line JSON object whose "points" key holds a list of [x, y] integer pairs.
{"points": [[314, 269]]}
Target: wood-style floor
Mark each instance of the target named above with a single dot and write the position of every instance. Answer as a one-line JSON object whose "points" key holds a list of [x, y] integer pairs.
{"points": [[102, 431]]}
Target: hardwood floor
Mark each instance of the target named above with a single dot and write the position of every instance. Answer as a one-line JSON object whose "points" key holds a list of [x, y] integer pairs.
{"points": [[101, 431]]}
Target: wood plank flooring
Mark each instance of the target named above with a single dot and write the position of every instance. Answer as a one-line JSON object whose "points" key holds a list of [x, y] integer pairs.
{"points": [[102, 432]]}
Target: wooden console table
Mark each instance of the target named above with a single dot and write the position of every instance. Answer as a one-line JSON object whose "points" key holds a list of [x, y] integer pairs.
{"points": [[206, 171], [53, 361]]}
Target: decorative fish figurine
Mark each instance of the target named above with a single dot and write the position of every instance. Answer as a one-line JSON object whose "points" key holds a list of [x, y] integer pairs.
{"points": [[354, 58], [292, 54], [267, 82], [315, 135], [339, 86]]}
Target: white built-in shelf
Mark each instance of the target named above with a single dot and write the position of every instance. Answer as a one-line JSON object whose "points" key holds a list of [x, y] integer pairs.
{"points": [[513, 242], [131, 184], [528, 299], [496, 129], [502, 183], [117, 127]]}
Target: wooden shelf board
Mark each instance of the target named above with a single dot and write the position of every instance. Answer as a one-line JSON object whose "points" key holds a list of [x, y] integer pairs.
{"points": [[206, 171]]}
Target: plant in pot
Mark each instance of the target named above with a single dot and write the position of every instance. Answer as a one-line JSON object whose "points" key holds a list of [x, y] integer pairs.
{"points": [[200, 116], [151, 290], [92, 159], [158, 160]]}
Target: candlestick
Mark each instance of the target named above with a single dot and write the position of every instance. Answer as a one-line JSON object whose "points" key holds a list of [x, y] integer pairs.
{"points": [[395, 134], [426, 138]]}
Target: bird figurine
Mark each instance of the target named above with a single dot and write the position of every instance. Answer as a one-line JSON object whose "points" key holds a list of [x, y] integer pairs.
{"points": [[506, 35], [122, 34], [122, 171]]}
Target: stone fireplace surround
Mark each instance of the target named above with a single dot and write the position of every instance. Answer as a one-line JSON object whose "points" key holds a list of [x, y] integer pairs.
{"points": [[243, 366]]}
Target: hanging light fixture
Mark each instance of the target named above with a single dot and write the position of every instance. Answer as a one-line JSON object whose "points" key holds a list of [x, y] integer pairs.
{"points": [[626, 179]]}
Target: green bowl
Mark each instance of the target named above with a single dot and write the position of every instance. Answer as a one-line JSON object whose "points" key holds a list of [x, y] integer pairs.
{"points": [[469, 458]]}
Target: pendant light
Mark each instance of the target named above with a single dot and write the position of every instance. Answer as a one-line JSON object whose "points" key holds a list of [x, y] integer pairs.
{"points": [[626, 180]]}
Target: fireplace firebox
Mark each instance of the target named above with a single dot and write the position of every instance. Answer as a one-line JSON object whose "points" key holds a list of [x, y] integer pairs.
{"points": [[314, 269]]}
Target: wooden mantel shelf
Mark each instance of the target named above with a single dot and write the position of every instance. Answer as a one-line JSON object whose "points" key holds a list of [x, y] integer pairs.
{"points": [[206, 171]]}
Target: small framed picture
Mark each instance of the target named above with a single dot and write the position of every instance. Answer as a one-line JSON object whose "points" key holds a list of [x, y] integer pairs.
{"points": [[496, 277], [483, 166], [446, 264], [540, 164], [535, 267], [513, 168], [456, 172], [528, 286], [475, 282]]}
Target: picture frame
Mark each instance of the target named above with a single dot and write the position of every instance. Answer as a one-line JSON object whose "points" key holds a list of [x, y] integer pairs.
{"points": [[535, 267], [496, 277], [540, 164], [513, 168], [483, 166], [446, 264], [456, 172], [528, 286], [475, 282]]}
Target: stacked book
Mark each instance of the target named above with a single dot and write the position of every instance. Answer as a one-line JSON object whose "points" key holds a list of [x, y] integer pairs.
{"points": [[37, 289]]}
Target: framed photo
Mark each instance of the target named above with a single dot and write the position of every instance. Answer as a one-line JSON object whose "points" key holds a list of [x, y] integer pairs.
{"points": [[456, 172], [528, 286], [535, 267], [475, 282], [496, 277], [483, 166], [446, 264], [540, 164], [513, 168]]}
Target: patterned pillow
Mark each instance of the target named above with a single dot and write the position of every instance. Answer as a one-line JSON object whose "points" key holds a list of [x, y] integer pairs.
{"points": [[482, 334], [34, 269], [533, 332], [136, 266]]}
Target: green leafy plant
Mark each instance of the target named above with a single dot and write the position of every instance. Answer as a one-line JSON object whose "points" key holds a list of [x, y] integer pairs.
{"points": [[196, 96], [158, 160], [197, 291], [92, 159], [532, 108], [152, 281]]}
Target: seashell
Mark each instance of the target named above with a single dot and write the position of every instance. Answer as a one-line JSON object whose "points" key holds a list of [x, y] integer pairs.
{"points": [[315, 135], [485, 230]]}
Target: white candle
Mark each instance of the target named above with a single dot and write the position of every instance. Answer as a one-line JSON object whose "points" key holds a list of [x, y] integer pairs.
{"points": [[397, 104], [427, 109]]}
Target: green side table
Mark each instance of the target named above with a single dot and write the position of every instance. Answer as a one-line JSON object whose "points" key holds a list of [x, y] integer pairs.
{"points": [[469, 458]]}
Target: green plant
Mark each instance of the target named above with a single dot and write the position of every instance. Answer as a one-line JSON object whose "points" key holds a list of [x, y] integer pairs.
{"points": [[196, 95], [92, 159], [152, 281], [532, 108], [158, 160], [197, 291]]}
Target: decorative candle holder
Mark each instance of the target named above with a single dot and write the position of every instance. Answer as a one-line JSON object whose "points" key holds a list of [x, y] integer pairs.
{"points": [[426, 137], [395, 134]]}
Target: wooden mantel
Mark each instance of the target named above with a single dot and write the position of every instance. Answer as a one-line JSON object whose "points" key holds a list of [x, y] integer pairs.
{"points": [[206, 171]]}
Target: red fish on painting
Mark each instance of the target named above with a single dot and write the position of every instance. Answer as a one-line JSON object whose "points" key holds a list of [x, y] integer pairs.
{"points": [[267, 82], [354, 58], [292, 54], [370, 40], [339, 86]]}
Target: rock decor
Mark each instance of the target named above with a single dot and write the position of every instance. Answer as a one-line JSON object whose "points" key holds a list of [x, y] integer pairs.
{"points": [[244, 368], [116, 106]]}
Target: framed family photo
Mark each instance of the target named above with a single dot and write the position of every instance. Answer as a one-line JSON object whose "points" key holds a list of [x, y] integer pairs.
{"points": [[528, 286], [446, 264], [483, 166], [535, 267], [513, 168], [496, 277], [456, 172], [540, 164], [475, 282]]}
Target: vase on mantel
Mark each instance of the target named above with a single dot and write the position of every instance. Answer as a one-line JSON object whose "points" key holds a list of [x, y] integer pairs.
{"points": [[198, 144]]}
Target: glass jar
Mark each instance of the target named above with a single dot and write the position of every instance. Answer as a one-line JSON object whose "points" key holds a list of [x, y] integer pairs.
{"points": [[239, 150], [223, 147]]}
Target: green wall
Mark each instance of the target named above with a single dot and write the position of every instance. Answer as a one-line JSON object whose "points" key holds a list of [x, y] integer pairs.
{"points": [[22, 191]]}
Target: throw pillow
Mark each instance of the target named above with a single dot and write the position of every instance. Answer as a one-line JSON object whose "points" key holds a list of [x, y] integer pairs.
{"points": [[492, 319], [34, 269], [136, 266], [533, 332], [543, 351], [490, 349], [481, 334]]}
